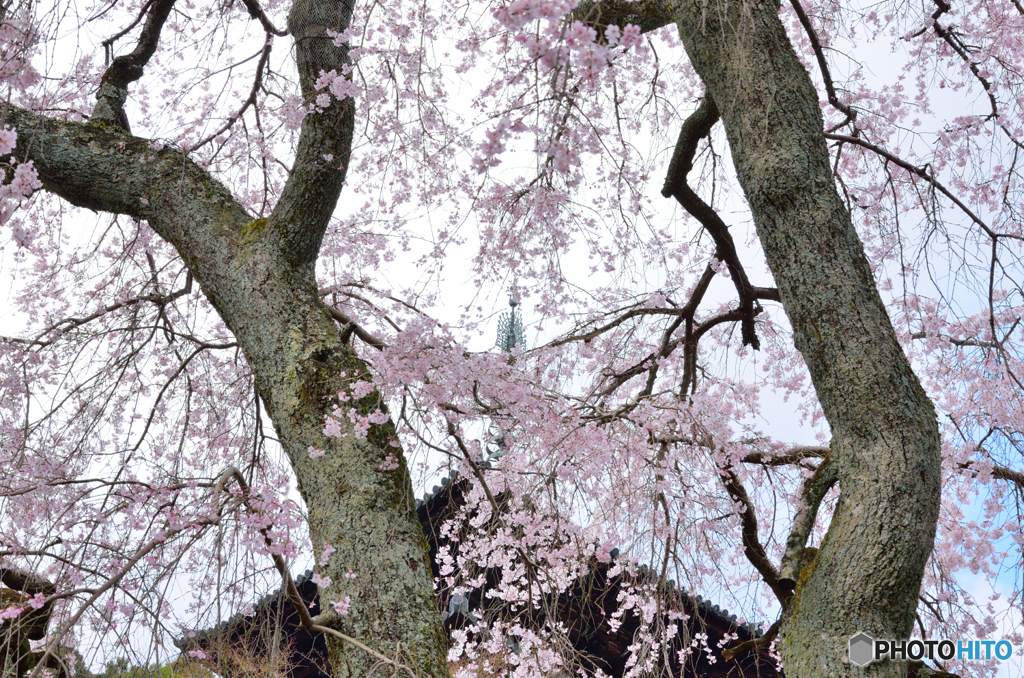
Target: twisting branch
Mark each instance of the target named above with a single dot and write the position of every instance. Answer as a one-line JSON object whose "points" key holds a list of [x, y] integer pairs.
{"points": [[752, 546], [814, 490], [1004, 473], [128, 68], [950, 37], [109, 42], [695, 128]]}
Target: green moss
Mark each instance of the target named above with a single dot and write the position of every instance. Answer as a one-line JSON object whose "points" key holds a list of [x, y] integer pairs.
{"points": [[253, 230]]}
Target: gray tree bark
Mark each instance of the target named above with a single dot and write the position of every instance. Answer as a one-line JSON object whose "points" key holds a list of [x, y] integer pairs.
{"points": [[259, 275], [885, 445]]}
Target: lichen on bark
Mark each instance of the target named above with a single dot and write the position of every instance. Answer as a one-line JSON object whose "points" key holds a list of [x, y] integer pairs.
{"points": [[885, 443]]}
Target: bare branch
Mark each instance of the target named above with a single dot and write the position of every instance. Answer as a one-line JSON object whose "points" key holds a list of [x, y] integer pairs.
{"points": [[754, 644], [695, 128], [752, 547], [352, 327], [998, 472], [826, 75], [250, 100], [308, 622], [22, 580], [792, 456], [256, 12]]}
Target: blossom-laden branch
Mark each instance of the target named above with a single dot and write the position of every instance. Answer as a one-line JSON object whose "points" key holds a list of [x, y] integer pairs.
{"points": [[648, 15], [55, 639], [258, 275]]}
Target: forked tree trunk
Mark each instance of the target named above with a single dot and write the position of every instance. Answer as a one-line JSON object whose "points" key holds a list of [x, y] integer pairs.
{"points": [[885, 440], [259, 275]]}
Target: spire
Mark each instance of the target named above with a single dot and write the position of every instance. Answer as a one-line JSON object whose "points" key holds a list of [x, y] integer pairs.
{"points": [[510, 325]]}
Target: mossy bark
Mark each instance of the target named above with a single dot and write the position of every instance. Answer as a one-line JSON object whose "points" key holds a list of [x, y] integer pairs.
{"points": [[885, 442], [259, 275]]}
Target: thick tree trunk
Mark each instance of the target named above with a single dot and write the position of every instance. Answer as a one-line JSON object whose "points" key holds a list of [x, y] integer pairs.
{"points": [[262, 284], [259, 275], [885, 443]]}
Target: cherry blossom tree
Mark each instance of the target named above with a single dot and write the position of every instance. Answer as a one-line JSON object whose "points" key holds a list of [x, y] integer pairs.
{"points": [[234, 230]]}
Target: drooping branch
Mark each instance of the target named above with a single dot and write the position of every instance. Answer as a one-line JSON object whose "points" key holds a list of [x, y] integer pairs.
{"points": [[55, 639], [950, 37], [250, 101], [695, 128], [925, 174], [160, 300], [814, 490], [128, 68]]}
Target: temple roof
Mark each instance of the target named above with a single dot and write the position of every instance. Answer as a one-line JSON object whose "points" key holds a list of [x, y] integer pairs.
{"points": [[584, 610]]}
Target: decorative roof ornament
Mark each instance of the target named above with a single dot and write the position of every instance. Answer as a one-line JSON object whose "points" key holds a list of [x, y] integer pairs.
{"points": [[510, 326]]}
